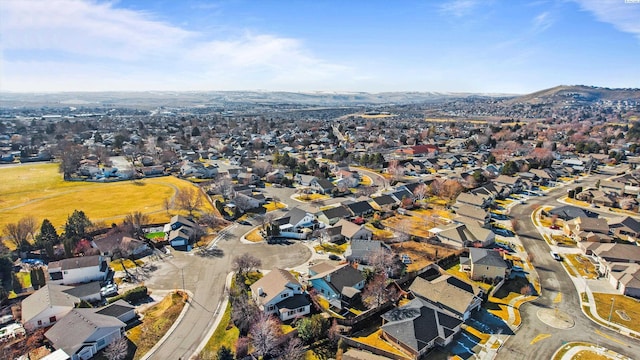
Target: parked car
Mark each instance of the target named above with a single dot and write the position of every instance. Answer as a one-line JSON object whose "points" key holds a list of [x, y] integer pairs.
{"points": [[244, 222], [555, 256], [334, 257], [109, 290]]}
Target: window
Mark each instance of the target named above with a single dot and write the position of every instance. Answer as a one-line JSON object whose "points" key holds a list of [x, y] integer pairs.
{"points": [[52, 319], [39, 322], [301, 309], [100, 343], [271, 307], [284, 295]]}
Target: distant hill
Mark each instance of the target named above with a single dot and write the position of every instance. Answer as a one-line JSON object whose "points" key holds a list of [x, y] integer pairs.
{"points": [[577, 94]]}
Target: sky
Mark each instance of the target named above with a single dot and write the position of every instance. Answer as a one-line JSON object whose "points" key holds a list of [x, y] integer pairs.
{"points": [[490, 46]]}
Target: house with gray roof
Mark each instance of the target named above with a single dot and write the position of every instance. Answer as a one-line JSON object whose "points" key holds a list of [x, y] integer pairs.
{"points": [[447, 292], [46, 306], [485, 264], [76, 270], [462, 235], [83, 332], [281, 294], [295, 220], [418, 326], [340, 284], [625, 228], [333, 215]]}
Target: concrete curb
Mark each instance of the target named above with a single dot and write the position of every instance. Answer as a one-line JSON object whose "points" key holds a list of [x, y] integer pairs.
{"points": [[171, 329], [218, 317]]}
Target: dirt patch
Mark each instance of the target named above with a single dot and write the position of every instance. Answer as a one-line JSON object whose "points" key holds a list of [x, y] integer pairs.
{"points": [[421, 254]]}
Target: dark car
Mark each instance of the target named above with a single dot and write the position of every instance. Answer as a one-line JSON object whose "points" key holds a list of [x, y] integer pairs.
{"points": [[334, 257], [244, 222]]}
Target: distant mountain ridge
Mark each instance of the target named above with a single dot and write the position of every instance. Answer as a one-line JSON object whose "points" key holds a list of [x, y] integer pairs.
{"points": [[152, 99], [577, 93]]}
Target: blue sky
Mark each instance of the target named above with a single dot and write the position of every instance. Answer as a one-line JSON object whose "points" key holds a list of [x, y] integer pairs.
{"points": [[356, 45]]}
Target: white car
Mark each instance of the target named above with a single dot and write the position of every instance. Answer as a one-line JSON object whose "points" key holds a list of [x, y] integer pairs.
{"points": [[555, 256], [109, 290]]}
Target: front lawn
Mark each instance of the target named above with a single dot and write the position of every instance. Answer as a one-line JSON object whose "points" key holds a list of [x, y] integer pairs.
{"points": [[583, 265], [375, 339], [155, 235], [121, 264], [155, 323], [621, 305], [254, 235], [274, 205], [379, 234], [576, 202], [226, 334], [24, 278]]}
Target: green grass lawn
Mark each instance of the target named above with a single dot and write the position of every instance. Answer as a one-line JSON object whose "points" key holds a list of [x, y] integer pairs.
{"points": [[155, 235], [225, 335], [24, 278]]}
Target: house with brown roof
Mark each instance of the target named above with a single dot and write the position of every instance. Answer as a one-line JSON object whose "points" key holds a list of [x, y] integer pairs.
{"points": [[466, 213], [351, 231], [485, 264], [625, 228], [464, 235], [281, 294], [625, 278], [587, 229], [607, 255]]}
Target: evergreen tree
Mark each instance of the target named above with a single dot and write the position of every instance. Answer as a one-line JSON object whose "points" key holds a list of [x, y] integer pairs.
{"points": [[47, 238]]}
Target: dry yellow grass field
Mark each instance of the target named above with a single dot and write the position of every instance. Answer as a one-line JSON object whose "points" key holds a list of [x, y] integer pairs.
{"points": [[38, 190]]}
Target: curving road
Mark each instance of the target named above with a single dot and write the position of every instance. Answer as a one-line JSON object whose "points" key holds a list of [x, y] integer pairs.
{"points": [[204, 277], [554, 280]]}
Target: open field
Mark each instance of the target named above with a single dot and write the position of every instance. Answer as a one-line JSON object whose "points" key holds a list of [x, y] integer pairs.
{"points": [[622, 305], [38, 190]]}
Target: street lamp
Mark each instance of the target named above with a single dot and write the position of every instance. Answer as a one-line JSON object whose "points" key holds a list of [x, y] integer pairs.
{"points": [[611, 311]]}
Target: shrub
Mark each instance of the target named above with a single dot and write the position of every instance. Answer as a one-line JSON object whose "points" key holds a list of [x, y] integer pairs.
{"points": [[132, 295]]}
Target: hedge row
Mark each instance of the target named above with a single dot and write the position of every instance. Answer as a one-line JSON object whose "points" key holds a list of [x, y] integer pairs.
{"points": [[131, 296]]}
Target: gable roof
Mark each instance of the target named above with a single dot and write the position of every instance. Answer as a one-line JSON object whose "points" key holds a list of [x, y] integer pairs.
{"points": [[337, 212], [341, 277], [360, 249], [471, 199], [465, 233], [597, 225], [384, 200], [117, 240], [360, 207], [487, 257], [272, 284], [84, 290], [625, 222], [116, 309], [473, 212], [324, 183], [295, 215], [447, 292], [507, 180], [568, 212], [418, 323], [47, 296], [70, 332], [79, 262], [348, 229], [182, 220]]}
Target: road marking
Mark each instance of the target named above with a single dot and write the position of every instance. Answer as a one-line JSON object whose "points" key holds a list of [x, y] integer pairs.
{"points": [[539, 337], [558, 298], [610, 337]]}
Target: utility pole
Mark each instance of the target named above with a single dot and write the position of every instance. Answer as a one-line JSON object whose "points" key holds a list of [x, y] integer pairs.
{"points": [[611, 311]]}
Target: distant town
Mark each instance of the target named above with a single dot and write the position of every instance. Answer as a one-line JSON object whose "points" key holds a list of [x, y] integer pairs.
{"points": [[260, 225]]}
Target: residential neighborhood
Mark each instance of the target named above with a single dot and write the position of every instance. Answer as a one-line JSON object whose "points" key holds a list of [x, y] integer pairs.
{"points": [[393, 236]]}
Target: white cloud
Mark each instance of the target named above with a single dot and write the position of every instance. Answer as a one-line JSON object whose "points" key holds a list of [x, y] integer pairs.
{"points": [[542, 22], [623, 16], [458, 8], [74, 45]]}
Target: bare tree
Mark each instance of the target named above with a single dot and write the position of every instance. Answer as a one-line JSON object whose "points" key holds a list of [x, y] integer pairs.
{"points": [[19, 232], [135, 221], [245, 263], [212, 220], [117, 350], [189, 199], [265, 334], [421, 192], [292, 350], [381, 260], [395, 169], [377, 292], [166, 205]]}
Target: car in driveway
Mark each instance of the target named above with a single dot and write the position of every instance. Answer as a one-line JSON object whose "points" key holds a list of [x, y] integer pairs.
{"points": [[244, 222], [555, 256], [109, 290], [334, 257]]}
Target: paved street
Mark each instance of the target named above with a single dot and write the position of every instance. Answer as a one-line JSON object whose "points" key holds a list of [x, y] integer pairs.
{"points": [[204, 277], [555, 280]]}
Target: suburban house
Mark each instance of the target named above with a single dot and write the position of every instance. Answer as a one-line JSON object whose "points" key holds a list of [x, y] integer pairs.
{"points": [[485, 264], [447, 292], [426, 149], [294, 221], [360, 250], [117, 245], [89, 292], [360, 208], [418, 326], [625, 278], [465, 235], [46, 306], [597, 197], [351, 231], [78, 270], [588, 229], [333, 215], [350, 179], [610, 254], [468, 213], [478, 200], [543, 176], [514, 183], [180, 232], [612, 187], [248, 178], [280, 293], [303, 180], [340, 284], [568, 212], [384, 202], [120, 310], [625, 228], [84, 332]]}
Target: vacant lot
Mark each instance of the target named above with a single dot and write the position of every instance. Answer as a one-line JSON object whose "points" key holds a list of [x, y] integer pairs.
{"points": [[626, 310], [38, 190], [421, 254]]}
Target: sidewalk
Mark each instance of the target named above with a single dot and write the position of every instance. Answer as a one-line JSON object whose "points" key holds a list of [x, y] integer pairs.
{"points": [[574, 350]]}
